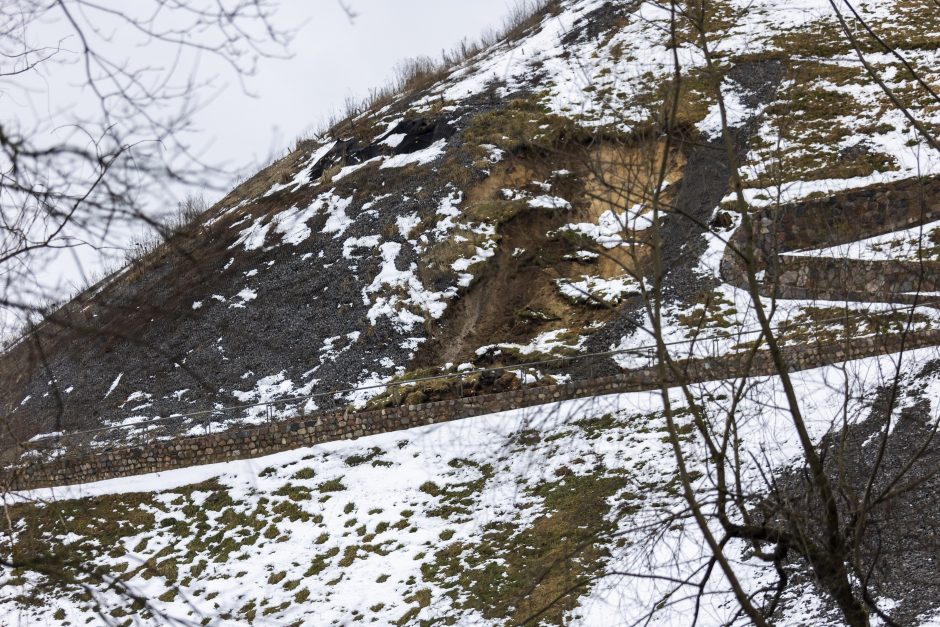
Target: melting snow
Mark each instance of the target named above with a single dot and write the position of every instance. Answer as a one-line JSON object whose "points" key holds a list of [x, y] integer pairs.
{"points": [[406, 224], [735, 110], [352, 243], [420, 157], [598, 289], [110, 389], [393, 306], [381, 494], [549, 202], [337, 221], [394, 140], [611, 227], [244, 296], [909, 244], [252, 238]]}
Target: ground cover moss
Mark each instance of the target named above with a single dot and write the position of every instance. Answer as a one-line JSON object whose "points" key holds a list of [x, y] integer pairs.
{"points": [[513, 574], [523, 124], [709, 311]]}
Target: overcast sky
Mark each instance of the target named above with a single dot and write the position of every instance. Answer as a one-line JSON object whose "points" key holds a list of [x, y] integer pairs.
{"points": [[335, 58]]}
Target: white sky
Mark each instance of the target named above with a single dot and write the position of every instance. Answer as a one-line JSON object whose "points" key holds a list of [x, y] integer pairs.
{"points": [[333, 58]]}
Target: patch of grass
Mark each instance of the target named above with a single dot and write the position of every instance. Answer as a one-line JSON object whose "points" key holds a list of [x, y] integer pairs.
{"points": [[357, 460], [294, 492], [248, 610], [292, 584], [442, 387], [594, 428], [526, 437], [462, 243], [320, 562], [709, 311], [421, 599], [333, 485], [217, 500], [815, 117], [349, 556], [513, 574], [457, 499], [303, 473], [276, 608], [833, 324], [495, 212], [291, 511], [168, 569], [101, 524], [167, 596], [523, 124], [429, 487], [196, 570]]}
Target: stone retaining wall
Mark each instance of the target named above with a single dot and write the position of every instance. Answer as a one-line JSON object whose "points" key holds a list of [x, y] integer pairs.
{"points": [[247, 442], [840, 219], [848, 216], [832, 278]]}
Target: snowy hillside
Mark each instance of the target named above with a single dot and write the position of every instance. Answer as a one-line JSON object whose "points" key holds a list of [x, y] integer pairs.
{"points": [[472, 220], [570, 190], [568, 511]]}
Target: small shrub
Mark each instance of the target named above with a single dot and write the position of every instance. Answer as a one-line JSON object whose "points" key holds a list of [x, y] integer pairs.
{"points": [[303, 473], [333, 485]]}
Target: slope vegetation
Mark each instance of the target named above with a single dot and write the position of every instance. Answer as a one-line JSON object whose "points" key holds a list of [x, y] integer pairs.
{"points": [[577, 187]]}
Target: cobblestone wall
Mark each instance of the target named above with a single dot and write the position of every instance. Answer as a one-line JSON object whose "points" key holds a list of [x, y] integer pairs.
{"points": [[834, 220], [849, 216], [247, 442], [837, 278]]}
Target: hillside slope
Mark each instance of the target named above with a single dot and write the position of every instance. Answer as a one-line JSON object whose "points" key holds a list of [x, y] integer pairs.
{"points": [[498, 215], [569, 513], [577, 188]]}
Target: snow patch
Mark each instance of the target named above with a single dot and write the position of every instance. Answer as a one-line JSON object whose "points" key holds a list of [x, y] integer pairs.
{"points": [[419, 157], [114, 385]]}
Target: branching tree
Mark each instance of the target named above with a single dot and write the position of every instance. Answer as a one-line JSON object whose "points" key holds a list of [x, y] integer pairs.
{"points": [[828, 513], [118, 131], [830, 516], [100, 101]]}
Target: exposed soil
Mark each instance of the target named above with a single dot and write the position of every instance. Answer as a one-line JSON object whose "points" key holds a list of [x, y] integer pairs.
{"points": [[516, 297], [705, 181]]}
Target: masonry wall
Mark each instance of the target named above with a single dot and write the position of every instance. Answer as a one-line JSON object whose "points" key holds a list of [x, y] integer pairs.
{"points": [[241, 443], [839, 219], [838, 278], [849, 216]]}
